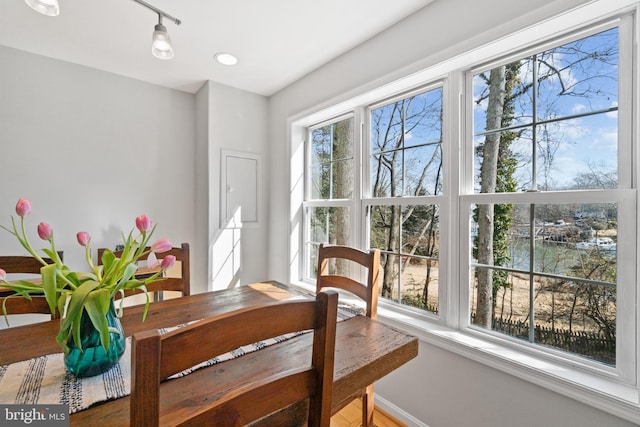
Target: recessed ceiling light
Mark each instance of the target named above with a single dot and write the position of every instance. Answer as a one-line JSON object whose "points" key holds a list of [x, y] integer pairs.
{"points": [[226, 58]]}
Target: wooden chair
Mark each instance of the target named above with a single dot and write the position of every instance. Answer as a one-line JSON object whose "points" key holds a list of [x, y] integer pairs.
{"points": [[154, 358], [180, 284], [24, 264], [368, 291]]}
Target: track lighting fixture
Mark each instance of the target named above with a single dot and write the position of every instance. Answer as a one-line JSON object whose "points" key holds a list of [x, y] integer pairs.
{"points": [[45, 7], [160, 42]]}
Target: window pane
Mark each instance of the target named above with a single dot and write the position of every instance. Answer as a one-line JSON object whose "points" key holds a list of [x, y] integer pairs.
{"points": [[569, 269], [491, 86], [319, 181], [423, 170], [419, 284], [408, 237], [332, 161], [385, 179], [326, 225], [512, 169], [578, 77], [329, 225], [406, 138], [572, 316], [572, 142]]}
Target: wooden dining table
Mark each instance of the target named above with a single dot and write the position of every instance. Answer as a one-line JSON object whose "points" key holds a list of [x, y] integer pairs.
{"points": [[366, 350]]}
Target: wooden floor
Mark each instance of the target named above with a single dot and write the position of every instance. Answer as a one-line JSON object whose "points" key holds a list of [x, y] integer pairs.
{"points": [[352, 417]]}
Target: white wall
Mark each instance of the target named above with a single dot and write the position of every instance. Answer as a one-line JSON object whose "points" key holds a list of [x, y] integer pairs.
{"points": [[439, 388], [238, 121], [200, 252], [443, 389], [92, 150]]}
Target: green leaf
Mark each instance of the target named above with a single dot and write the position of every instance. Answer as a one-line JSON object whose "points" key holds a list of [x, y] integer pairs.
{"points": [[128, 273], [146, 305], [74, 312], [51, 254], [108, 259], [23, 285], [49, 284], [132, 284], [62, 301], [120, 310], [97, 305], [4, 310]]}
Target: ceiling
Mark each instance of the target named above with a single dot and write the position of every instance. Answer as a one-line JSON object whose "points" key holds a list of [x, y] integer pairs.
{"points": [[276, 41]]}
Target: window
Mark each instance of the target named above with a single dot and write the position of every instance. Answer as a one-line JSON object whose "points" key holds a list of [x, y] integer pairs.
{"points": [[545, 271], [500, 187], [330, 187], [405, 174]]}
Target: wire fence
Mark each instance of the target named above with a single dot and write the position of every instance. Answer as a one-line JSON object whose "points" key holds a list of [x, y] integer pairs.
{"points": [[591, 344]]}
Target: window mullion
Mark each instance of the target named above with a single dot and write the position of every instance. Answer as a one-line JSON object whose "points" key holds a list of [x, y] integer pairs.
{"points": [[358, 234]]}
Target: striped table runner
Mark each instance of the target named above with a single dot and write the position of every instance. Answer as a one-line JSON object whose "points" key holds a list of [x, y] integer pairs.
{"points": [[45, 380]]}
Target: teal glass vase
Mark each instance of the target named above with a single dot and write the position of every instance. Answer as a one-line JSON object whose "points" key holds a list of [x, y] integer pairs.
{"points": [[93, 359]]}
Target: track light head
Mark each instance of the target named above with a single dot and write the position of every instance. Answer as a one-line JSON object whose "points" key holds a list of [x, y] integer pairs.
{"points": [[161, 43]]}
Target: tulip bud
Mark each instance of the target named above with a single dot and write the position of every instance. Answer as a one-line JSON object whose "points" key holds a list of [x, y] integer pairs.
{"points": [[45, 231], [160, 246], [167, 262], [83, 238], [144, 224], [23, 208], [3, 275], [152, 260]]}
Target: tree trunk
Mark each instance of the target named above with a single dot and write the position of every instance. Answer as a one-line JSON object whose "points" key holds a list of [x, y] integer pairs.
{"points": [[343, 185], [391, 266], [488, 177]]}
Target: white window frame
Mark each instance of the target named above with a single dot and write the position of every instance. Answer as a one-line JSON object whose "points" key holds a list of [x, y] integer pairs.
{"points": [[615, 390], [351, 204], [624, 196], [367, 201]]}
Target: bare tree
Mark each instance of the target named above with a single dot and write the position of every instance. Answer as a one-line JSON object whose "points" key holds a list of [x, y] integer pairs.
{"points": [[391, 126], [497, 95], [578, 69]]}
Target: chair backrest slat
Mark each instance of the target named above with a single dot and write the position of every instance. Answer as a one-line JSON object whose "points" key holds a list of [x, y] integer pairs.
{"points": [[366, 290], [154, 358], [24, 264]]}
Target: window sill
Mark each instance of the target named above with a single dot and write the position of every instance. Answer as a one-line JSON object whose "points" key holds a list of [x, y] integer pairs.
{"points": [[603, 393], [599, 391]]}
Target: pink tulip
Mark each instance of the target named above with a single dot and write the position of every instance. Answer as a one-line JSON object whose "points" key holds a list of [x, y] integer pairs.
{"points": [[144, 224], [45, 231], [152, 260], [3, 275], [160, 246], [167, 262], [23, 208], [83, 238]]}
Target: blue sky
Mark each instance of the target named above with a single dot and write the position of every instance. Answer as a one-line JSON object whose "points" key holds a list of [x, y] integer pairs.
{"points": [[583, 78]]}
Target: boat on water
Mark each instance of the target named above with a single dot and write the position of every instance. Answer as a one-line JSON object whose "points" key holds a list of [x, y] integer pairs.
{"points": [[602, 243]]}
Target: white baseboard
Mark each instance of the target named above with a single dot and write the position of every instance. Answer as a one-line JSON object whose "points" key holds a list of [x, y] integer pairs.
{"points": [[398, 413]]}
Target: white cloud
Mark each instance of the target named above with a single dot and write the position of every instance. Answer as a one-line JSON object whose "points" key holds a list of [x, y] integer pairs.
{"points": [[578, 108]]}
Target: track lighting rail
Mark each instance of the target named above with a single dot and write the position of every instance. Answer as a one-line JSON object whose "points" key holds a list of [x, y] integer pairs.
{"points": [[158, 11]]}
